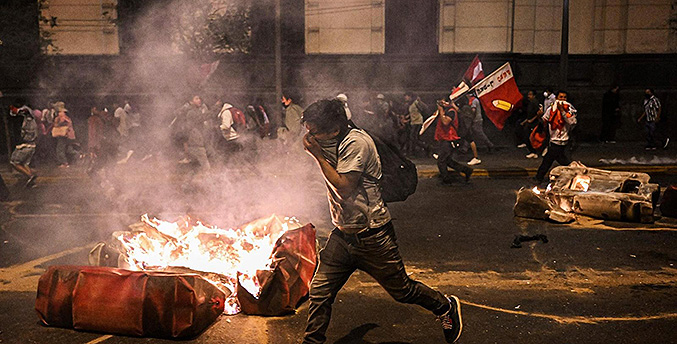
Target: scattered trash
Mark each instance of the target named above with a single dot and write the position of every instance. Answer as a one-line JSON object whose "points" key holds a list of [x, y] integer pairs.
{"points": [[633, 256], [579, 190], [639, 161], [519, 239], [518, 306]]}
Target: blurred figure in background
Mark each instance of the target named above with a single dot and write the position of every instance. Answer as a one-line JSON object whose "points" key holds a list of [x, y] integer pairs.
{"points": [[416, 109], [24, 150], [611, 114], [290, 132], [64, 134], [652, 116]]}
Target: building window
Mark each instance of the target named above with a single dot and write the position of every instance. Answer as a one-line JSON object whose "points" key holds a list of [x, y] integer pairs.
{"points": [[345, 26]]}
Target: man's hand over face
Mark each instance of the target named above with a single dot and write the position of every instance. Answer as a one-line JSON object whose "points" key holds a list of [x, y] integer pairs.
{"points": [[311, 146]]}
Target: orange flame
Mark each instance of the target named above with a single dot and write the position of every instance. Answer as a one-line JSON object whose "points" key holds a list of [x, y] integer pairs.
{"points": [[162, 245]]}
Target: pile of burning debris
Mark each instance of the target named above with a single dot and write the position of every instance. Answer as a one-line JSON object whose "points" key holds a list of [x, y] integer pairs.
{"points": [[580, 190], [173, 279]]}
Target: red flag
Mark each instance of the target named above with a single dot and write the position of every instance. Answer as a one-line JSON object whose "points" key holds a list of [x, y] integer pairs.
{"points": [[206, 70], [499, 95], [474, 72]]}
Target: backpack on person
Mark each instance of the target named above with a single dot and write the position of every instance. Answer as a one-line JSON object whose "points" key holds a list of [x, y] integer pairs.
{"points": [[399, 176], [239, 119]]}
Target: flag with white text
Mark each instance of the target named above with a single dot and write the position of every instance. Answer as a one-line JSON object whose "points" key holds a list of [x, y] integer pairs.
{"points": [[499, 95]]}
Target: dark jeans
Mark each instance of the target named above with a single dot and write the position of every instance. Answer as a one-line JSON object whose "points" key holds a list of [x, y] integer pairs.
{"points": [[447, 158], [650, 134], [555, 153], [609, 125], [375, 253], [64, 150]]}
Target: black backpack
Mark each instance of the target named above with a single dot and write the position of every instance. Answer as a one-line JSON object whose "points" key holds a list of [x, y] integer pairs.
{"points": [[399, 177]]}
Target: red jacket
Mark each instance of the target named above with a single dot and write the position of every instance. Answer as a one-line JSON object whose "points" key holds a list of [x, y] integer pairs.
{"points": [[447, 132]]}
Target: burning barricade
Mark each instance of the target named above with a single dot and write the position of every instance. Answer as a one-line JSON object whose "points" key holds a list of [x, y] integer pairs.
{"points": [[577, 189], [173, 279]]}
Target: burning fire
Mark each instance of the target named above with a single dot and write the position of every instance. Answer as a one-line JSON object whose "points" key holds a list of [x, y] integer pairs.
{"points": [[581, 183], [162, 245]]}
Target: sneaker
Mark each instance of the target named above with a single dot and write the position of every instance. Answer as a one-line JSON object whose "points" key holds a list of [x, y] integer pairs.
{"points": [[667, 141], [31, 181], [474, 161], [532, 156], [451, 320], [522, 145], [435, 156]]}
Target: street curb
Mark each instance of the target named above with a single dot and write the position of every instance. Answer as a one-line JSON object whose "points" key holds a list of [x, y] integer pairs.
{"points": [[427, 172], [430, 171]]}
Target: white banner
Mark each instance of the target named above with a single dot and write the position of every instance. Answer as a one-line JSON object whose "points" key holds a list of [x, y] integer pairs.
{"points": [[494, 80]]}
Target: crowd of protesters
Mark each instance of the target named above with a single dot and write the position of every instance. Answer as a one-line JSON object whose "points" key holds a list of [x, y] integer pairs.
{"points": [[203, 135]]}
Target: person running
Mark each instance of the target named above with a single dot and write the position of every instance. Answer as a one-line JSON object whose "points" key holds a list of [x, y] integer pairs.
{"points": [[364, 236], [561, 119]]}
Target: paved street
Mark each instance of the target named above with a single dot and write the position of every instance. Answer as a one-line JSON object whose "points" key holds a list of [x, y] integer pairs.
{"points": [[591, 283]]}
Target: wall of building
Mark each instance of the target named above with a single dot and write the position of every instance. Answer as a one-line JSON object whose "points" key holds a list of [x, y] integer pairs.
{"points": [[81, 27]]}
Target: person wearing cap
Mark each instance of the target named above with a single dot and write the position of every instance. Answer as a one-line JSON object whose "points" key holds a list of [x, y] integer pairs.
{"points": [[65, 138]]}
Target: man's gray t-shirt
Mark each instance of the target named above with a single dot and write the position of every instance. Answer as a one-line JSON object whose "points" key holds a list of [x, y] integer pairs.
{"points": [[364, 208]]}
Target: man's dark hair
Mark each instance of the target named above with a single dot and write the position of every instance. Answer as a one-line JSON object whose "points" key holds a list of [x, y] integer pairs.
{"points": [[651, 90], [548, 89], [563, 91], [410, 94], [327, 114], [293, 95]]}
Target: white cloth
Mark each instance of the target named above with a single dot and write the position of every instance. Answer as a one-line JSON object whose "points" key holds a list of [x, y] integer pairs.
{"points": [[560, 136], [123, 126], [226, 126]]}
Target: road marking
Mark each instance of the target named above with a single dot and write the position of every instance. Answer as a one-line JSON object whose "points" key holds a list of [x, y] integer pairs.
{"points": [[24, 277], [100, 339], [573, 319]]}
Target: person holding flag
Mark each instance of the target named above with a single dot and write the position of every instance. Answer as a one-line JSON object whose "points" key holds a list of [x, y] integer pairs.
{"points": [[560, 118]]}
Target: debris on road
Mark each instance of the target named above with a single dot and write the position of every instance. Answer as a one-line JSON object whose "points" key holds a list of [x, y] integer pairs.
{"points": [[519, 239], [580, 190]]}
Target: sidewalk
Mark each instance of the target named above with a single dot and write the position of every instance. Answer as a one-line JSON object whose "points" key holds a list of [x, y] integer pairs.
{"points": [[512, 162], [504, 162]]}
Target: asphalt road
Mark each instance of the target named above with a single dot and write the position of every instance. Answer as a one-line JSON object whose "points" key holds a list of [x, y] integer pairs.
{"points": [[592, 283]]}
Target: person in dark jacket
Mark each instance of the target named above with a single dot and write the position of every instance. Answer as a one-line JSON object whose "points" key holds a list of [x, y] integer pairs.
{"points": [[611, 114]]}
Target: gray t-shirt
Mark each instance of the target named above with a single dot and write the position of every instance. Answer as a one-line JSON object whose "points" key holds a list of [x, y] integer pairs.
{"points": [[478, 110], [364, 207]]}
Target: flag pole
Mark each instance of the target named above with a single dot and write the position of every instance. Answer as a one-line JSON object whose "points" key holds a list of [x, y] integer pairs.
{"points": [[488, 76]]}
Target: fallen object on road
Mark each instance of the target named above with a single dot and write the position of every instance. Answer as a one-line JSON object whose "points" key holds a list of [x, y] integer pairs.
{"points": [[264, 267], [519, 239], [135, 303], [577, 189]]}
